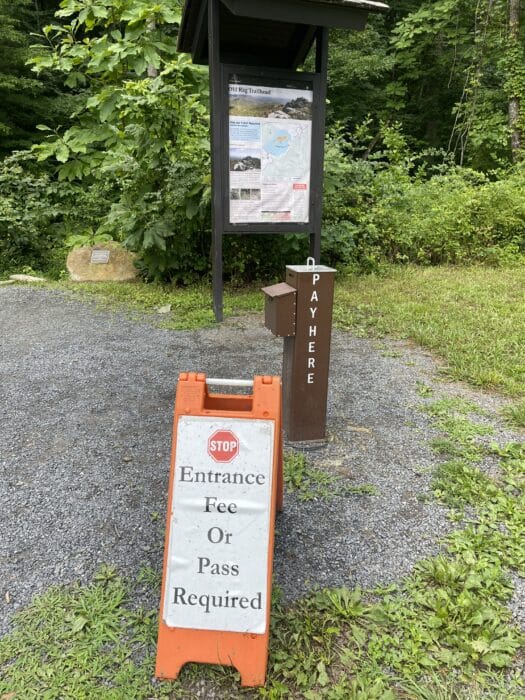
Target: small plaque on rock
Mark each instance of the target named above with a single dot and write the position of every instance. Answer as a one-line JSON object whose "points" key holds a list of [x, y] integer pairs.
{"points": [[100, 257]]}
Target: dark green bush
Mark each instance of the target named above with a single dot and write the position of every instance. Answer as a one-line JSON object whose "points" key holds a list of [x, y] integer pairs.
{"points": [[37, 212], [394, 206], [455, 218], [30, 215], [162, 213]]}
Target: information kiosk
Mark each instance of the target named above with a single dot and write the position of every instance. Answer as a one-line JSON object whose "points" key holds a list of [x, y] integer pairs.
{"points": [[268, 117]]}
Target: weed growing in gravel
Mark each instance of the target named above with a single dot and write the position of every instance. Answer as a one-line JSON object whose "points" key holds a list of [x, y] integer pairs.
{"points": [[424, 390], [460, 439], [452, 405], [150, 577], [448, 619], [80, 642], [515, 414], [456, 480], [498, 529], [311, 483]]}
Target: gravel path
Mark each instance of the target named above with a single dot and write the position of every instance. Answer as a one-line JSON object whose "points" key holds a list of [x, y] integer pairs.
{"points": [[86, 403]]}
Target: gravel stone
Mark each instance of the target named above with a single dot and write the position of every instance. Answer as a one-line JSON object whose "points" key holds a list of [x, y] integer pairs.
{"points": [[86, 412]]}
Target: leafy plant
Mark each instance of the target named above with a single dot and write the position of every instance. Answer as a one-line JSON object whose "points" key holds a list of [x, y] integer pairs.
{"points": [[37, 213], [88, 237], [30, 215], [515, 414], [312, 482], [461, 433], [142, 128]]}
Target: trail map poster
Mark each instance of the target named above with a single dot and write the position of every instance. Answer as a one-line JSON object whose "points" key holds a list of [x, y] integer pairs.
{"points": [[270, 132]]}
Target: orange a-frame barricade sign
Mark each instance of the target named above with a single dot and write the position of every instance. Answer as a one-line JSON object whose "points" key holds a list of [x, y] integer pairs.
{"points": [[225, 486]]}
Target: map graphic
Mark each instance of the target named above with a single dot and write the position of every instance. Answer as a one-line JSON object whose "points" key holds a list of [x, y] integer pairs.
{"points": [[285, 151], [279, 142]]}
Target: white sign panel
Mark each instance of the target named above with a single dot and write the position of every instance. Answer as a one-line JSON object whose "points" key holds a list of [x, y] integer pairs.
{"points": [[217, 568], [100, 257], [270, 153]]}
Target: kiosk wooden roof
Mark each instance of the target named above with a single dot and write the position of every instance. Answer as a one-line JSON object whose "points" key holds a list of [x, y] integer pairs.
{"points": [[272, 33]]}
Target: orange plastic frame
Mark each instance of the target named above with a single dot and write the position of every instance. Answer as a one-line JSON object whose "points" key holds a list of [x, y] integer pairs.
{"points": [[248, 653]]}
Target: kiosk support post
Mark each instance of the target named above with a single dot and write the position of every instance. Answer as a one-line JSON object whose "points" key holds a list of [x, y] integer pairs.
{"points": [[216, 107], [321, 68]]}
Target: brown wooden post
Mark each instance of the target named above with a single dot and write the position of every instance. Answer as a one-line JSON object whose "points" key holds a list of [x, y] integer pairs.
{"points": [[306, 361], [217, 108], [309, 291]]}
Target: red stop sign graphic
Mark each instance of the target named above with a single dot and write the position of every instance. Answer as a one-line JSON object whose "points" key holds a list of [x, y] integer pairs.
{"points": [[223, 446]]}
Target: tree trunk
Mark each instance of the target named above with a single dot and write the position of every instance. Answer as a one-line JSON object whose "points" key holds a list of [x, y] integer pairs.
{"points": [[152, 71], [514, 100]]}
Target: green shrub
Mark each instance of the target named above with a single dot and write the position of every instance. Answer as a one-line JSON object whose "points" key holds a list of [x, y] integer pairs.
{"points": [[30, 216], [455, 218], [394, 206], [37, 213], [162, 213]]}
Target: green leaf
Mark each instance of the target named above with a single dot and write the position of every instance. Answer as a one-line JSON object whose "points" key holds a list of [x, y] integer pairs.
{"points": [[70, 171], [322, 678], [139, 65], [62, 153], [170, 16], [108, 107], [480, 645], [75, 78], [79, 624], [497, 659], [359, 635]]}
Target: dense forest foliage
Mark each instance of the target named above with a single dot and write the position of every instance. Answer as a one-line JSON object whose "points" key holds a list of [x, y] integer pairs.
{"points": [[104, 134]]}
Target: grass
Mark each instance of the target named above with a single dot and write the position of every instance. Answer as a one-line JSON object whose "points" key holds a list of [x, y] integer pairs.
{"points": [[310, 482], [181, 308], [515, 414], [80, 642], [472, 317]]}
